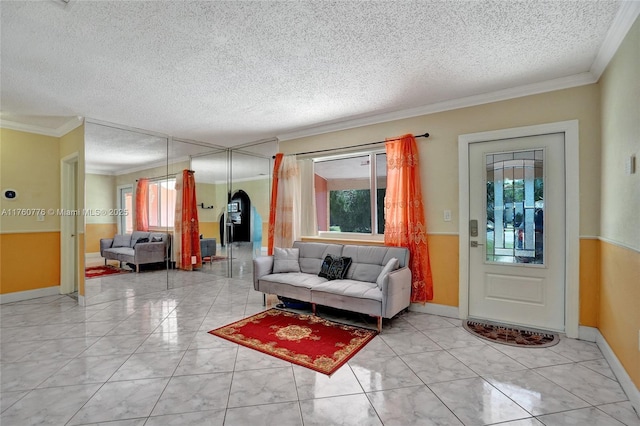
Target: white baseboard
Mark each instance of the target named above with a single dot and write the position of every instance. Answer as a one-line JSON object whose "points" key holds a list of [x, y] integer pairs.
{"points": [[435, 309], [621, 374], [589, 334], [92, 255], [81, 301], [19, 296]]}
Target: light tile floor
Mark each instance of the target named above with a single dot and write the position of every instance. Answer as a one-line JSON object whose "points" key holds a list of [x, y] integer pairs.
{"points": [[139, 354]]}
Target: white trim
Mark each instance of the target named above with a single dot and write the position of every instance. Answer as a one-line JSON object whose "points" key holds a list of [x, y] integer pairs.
{"points": [[624, 19], [621, 374], [436, 309], [19, 296], [501, 95], [588, 334], [81, 300], [572, 219], [58, 132]]}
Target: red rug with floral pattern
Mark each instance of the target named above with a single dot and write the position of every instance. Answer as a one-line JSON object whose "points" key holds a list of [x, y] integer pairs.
{"points": [[303, 339], [100, 271]]}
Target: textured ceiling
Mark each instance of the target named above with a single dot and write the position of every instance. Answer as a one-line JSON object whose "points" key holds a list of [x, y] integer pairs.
{"points": [[233, 72]]}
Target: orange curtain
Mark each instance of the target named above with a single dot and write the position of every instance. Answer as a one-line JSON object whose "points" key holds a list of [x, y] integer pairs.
{"points": [[405, 224], [142, 205], [190, 227], [272, 207]]}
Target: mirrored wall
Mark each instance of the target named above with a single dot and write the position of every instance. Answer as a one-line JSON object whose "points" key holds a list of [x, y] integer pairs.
{"points": [[130, 180]]}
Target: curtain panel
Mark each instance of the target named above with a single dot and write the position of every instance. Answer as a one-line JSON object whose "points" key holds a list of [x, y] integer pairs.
{"points": [[142, 205], [186, 235], [405, 223], [284, 213]]}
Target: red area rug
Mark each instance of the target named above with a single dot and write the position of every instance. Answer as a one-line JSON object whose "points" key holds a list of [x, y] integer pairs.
{"points": [[100, 271], [303, 339]]}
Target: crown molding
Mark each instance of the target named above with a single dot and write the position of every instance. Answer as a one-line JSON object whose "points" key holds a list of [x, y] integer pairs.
{"points": [[62, 130], [624, 19], [470, 101]]}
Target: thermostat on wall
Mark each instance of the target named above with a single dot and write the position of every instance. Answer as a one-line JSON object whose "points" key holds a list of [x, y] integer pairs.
{"points": [[9, 194]]}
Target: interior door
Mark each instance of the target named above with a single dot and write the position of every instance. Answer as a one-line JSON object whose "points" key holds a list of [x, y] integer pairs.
{"points": [[517, 231]]}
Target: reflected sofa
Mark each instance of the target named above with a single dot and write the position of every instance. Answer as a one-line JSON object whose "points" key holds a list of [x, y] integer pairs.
{"points": [[137, 248]]}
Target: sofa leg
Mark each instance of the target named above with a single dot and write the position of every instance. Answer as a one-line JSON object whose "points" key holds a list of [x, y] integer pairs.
{"points": [[379, 324], [264, 299], [313, 308]]}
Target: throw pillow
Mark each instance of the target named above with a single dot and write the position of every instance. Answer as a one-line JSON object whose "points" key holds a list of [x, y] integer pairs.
{"points": [[383, 278], [339, 267], [326, 264], [286, 260], [141, 240], [121, 240]]}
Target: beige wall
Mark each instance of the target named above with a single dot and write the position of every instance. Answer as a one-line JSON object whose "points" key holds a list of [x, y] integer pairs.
{"points": [[100, 195], [619, 297], [439, 152]]}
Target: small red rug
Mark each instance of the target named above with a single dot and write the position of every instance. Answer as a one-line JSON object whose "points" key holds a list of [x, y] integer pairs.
{"points": [[303, 339], [100, 271]]}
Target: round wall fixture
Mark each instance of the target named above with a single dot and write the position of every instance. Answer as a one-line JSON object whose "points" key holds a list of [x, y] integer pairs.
{"points": [[9, 194]]}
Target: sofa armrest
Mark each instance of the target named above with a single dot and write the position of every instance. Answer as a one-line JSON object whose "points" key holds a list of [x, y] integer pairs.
{"points": [[396, 293], [105, 243], [149, 252], [262, 266]]}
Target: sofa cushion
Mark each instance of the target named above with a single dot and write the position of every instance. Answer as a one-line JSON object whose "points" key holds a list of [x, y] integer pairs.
{"points": [[313, 254], [121, 240], [383, 278], [296, 279], [286, 260], [350, 288]]}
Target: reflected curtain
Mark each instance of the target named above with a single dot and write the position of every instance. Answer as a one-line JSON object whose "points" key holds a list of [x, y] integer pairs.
{"points": [[405, 223], [272, 206], [186, 235], [142, 205], [284, 214]]}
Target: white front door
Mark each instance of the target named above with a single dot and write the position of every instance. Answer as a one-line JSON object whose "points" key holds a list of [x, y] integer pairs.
{"points": [[517, 231]]}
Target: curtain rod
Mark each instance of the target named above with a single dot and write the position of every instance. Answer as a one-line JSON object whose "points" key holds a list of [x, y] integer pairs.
{"points": [[425, 135], [164, 176]]}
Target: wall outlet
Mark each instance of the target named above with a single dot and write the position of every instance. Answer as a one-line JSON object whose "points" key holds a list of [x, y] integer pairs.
{"points": [[447, 215], [630, 165], [40, 218]]}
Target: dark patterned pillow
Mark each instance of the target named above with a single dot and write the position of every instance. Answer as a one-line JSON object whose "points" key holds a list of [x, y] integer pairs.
{"points": [[326, 264], [339, 267], [142, 240]]}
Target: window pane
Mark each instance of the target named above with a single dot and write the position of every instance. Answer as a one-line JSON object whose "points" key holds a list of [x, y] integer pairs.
{"points": [[346, 185], [515, 205]]}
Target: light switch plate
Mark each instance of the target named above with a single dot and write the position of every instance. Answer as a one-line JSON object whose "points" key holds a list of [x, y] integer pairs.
{"points": [[630, 165], [447, 215]]}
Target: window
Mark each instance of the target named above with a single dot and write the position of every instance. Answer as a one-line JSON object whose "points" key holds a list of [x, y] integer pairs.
{"points": [[162, 203], [350, 192]]}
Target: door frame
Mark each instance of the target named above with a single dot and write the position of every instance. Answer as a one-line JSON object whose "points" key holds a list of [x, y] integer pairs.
{"points": [[572, 211], [68, 224]]}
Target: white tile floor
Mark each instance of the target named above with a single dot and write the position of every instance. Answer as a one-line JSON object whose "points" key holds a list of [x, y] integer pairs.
{"points": [[140, 354]]}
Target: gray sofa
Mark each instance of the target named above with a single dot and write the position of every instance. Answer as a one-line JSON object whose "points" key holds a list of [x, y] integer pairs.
{"points": [[373, 284], [132, 248]]}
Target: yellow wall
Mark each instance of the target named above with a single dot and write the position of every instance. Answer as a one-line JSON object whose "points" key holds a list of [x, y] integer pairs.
{"points": [[619, 301], [589, 281], [95, 231], [30, 164], [100, 195], [39, 269]]}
